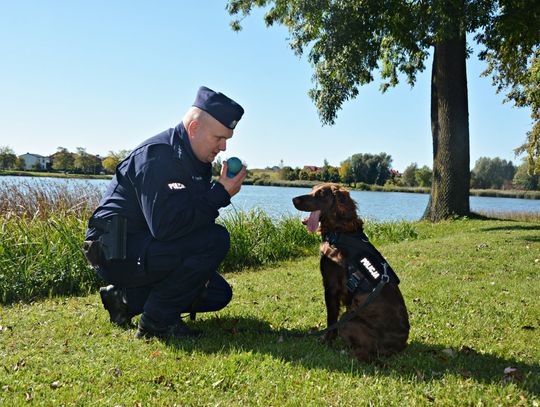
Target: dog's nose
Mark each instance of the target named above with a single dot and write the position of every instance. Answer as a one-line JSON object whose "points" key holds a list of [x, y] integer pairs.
{"points": [[296, 201]]}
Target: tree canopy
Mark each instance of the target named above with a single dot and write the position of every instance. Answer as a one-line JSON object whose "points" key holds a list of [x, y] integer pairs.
{"points": [[8, 159], [348, 42]]}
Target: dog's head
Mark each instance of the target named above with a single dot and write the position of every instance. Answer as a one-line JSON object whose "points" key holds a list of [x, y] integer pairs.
{"points": [[332, 207]]}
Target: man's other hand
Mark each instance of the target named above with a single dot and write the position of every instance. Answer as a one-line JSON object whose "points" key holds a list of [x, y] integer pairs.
{"points": [[232, 185]]}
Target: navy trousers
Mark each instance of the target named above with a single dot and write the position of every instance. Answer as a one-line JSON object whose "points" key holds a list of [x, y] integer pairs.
{"points": [[174, 277]]}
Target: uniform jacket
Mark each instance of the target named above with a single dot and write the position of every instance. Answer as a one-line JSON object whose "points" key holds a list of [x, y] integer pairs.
{"points": [[163, 190]]}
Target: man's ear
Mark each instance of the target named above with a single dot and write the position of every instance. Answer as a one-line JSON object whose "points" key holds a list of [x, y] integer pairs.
{"points": [[192, 128]]}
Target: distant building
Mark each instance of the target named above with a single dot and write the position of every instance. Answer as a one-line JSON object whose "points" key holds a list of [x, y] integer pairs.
{"points": [[311, 168], [32, 160]]}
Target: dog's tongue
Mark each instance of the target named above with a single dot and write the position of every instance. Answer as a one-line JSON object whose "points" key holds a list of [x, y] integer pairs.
{"points": [[313, 221]]}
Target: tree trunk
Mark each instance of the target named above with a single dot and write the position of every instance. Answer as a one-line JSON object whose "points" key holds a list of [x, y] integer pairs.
{"points": [[450, 131]]}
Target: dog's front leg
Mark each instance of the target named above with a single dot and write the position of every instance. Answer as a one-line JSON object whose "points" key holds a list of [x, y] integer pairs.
{"points": [[331, 274], [331, 298]]}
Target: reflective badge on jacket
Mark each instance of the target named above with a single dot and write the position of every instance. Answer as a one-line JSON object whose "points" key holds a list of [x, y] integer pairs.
{"points": [[176, 185]]}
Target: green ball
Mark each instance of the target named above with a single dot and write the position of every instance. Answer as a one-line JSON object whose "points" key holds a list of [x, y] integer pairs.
{"points": [[234, 165]]}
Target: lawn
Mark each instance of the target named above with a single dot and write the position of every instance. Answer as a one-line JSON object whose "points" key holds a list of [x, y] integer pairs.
{"points": [[471, 288]]}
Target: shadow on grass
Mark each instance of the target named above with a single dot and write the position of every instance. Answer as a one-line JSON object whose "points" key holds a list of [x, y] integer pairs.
{"points": [[511, 227], [419, 361]]}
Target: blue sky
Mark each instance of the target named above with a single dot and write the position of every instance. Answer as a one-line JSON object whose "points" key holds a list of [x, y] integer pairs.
{"points": [[105, 75]]}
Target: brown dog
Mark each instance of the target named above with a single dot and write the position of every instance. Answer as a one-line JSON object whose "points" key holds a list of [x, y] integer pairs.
{"points": [[381, 328]]}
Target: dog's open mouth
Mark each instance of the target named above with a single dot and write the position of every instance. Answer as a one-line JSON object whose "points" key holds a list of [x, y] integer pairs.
{"points": [[312, 222]]}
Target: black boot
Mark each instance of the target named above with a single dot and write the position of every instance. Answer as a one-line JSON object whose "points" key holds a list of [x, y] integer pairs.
{"points": [[114, 301], [149, 328]]}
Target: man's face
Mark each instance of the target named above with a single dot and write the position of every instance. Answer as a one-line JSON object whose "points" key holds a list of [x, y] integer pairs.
{"points": [[208, 138]]}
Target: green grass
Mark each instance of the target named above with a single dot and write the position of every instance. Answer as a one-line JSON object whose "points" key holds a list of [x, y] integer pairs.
{"points": [[471, 288]]}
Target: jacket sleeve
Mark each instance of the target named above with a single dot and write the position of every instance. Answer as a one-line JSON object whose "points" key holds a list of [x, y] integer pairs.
{"points": [[171, 206]]}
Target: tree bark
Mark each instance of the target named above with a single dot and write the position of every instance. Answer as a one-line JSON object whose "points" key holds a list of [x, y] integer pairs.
{"points": [[450, 131]]}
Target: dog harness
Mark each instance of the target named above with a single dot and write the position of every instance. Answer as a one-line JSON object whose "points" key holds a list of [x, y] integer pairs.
{"points": [[366, 267]]}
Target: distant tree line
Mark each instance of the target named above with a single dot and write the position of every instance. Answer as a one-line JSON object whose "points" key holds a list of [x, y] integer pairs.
{"points": [[79, 162], [495, 173], [358, 169], [375, 169]]}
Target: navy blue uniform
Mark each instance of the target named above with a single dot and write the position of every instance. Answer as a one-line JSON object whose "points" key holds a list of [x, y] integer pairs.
{"points": [[174, 246]]}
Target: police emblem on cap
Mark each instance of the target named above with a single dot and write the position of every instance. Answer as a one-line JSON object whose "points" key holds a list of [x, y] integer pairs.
{"points": [[233, 124]]}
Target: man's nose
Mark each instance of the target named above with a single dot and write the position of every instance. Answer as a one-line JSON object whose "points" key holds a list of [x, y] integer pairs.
{"points": [[223, 145]]}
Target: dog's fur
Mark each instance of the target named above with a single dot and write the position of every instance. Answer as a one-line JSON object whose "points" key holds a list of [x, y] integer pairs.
{"points": [[380, 329]]}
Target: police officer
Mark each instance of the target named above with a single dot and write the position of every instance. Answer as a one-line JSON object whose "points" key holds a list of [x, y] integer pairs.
{"points": [[162, 260]]}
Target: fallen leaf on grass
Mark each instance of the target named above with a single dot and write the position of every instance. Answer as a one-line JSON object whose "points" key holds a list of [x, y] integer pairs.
{"points": [[155, 353], [55, 384], [18, 365], [27, 396], [466, 373], [159, 379], [466, 350], [5, 328], [429, 397], [116, 372], [216, 384]]}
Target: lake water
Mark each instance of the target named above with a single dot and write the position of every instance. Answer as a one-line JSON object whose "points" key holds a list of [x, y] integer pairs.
{"points": [[277, 201]]}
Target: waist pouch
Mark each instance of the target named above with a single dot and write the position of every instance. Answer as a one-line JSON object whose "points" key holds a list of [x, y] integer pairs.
{"points": [[111, 244]]}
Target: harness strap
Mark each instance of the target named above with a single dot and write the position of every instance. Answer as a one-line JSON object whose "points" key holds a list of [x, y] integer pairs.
{"points": [[364, 261]]}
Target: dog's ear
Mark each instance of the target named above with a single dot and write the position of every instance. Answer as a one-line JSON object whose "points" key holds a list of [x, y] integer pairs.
{"points": [[345, 205], [343, 198]]}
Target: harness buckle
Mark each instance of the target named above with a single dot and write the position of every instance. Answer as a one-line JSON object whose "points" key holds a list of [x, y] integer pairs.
{"points": [[353, 282], [332, 238], [385, 277]]}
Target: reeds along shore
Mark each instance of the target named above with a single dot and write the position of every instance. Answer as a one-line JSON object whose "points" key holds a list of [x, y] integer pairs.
{"points": [[43, 227]]}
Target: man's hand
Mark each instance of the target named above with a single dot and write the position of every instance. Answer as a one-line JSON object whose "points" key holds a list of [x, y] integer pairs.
{"points": [[232, 185]]}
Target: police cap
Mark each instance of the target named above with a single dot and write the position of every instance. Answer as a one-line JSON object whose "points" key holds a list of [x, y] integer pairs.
{"points": [[220, 107]]}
